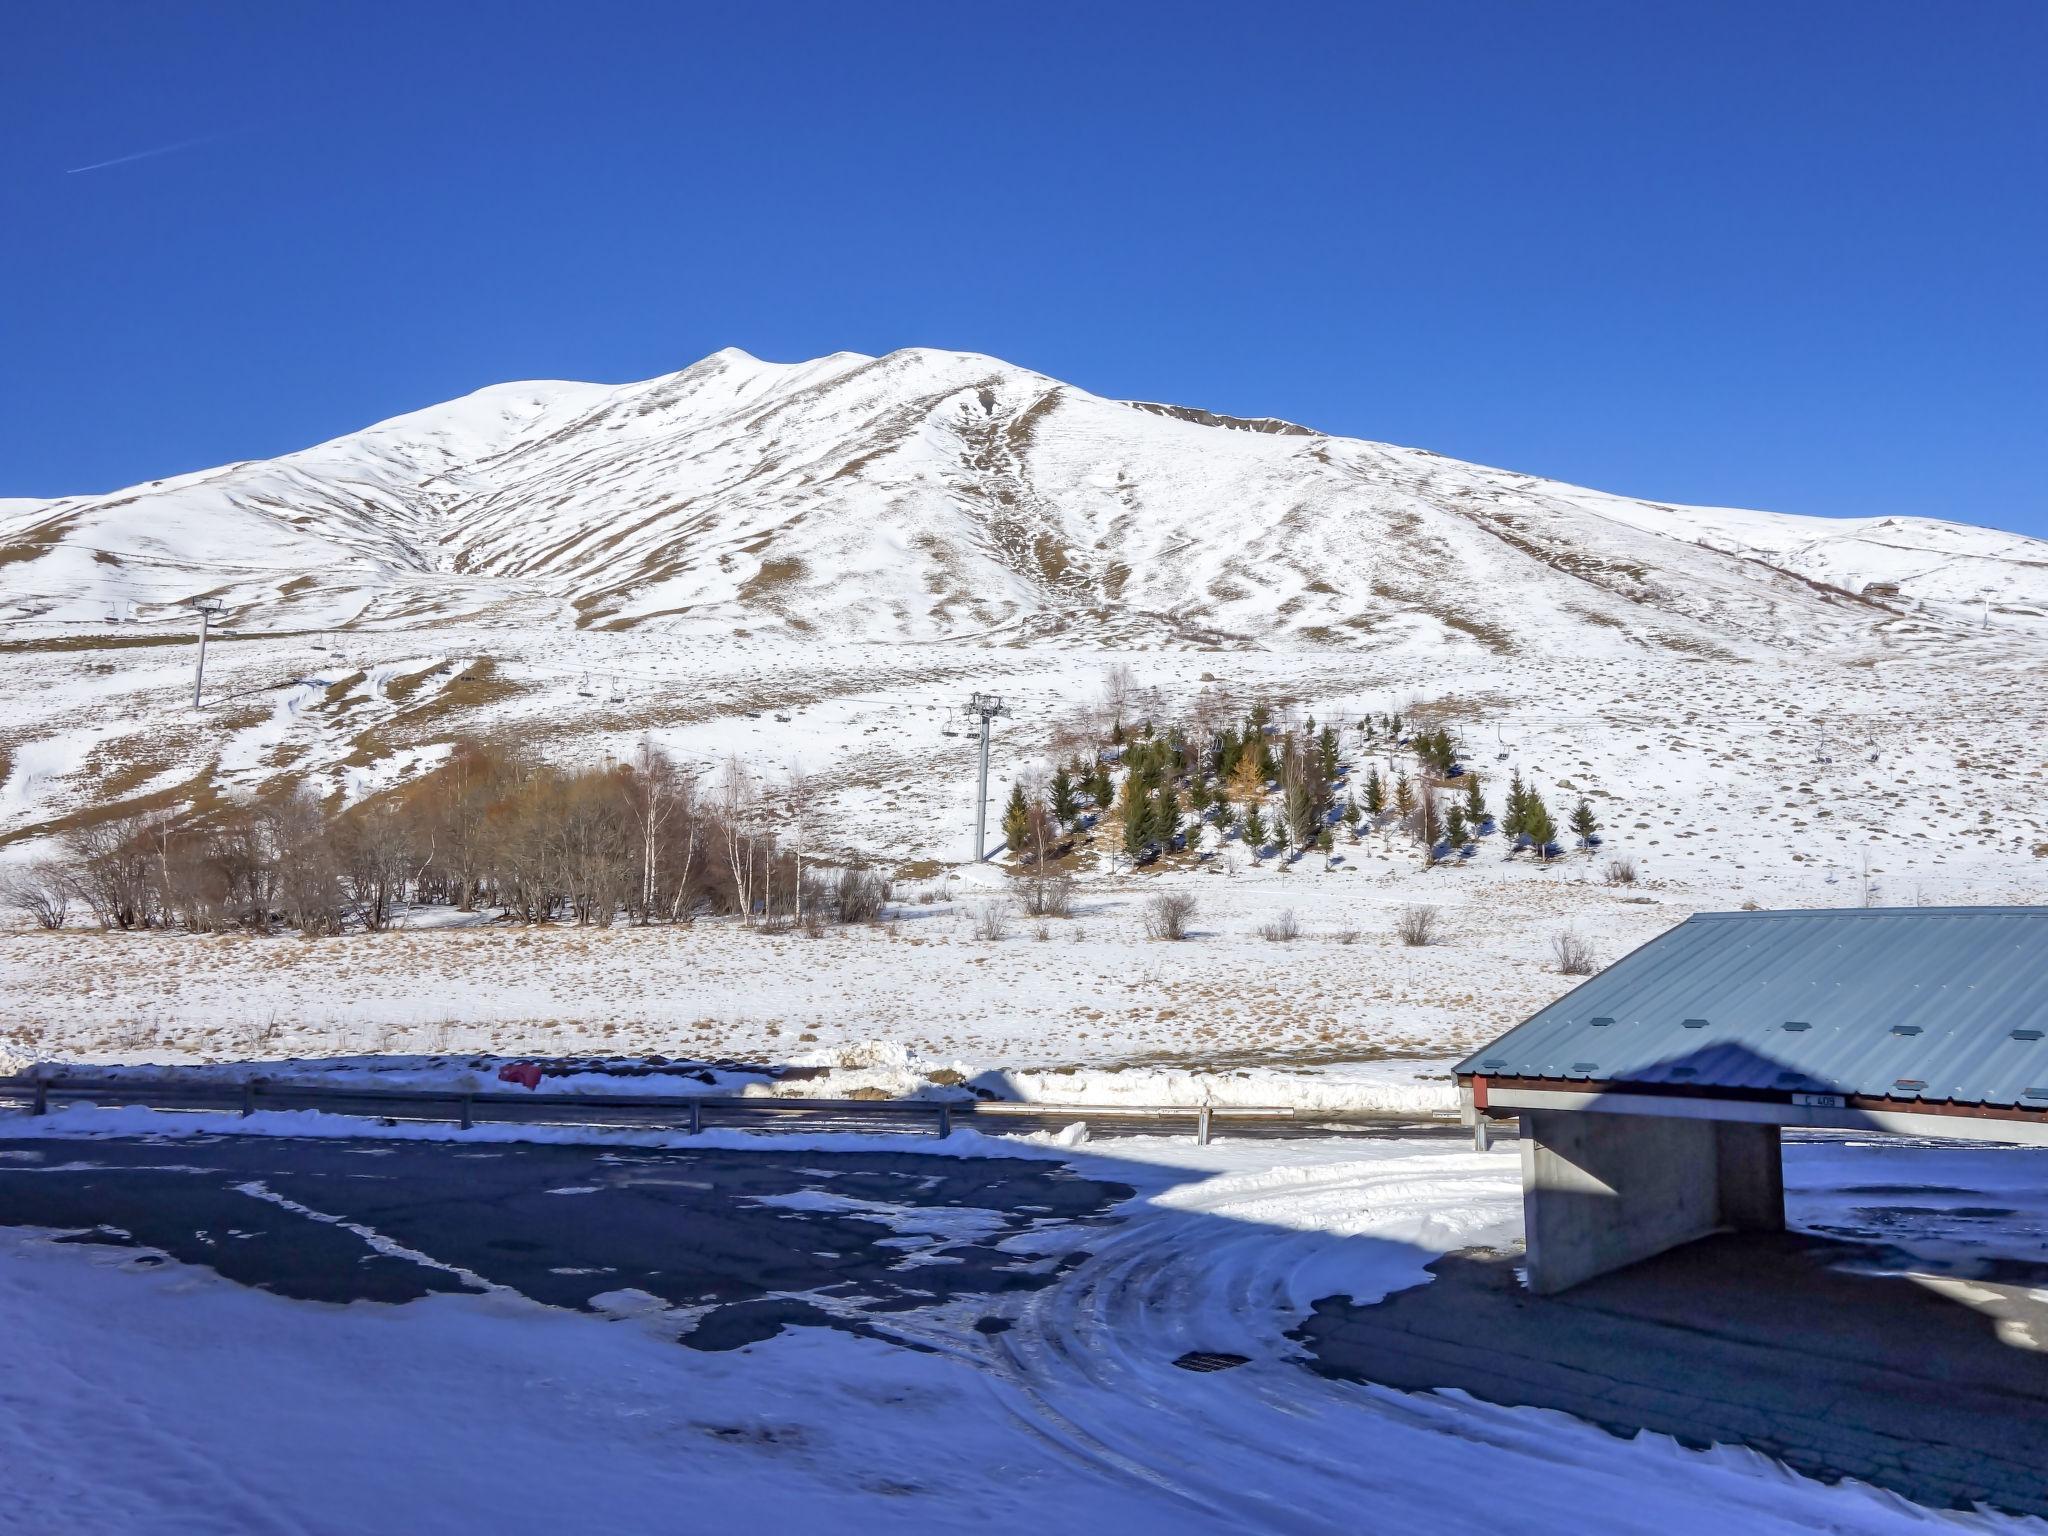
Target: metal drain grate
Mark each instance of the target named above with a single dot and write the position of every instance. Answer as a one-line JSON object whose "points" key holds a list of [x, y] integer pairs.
{"points": [[1211, 1360]]}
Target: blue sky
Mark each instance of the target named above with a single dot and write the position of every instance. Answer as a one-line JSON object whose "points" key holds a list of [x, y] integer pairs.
{"points": [[1791, 256]]}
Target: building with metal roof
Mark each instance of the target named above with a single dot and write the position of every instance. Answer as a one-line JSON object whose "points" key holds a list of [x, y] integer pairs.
{"points": [[1651, 1097]]}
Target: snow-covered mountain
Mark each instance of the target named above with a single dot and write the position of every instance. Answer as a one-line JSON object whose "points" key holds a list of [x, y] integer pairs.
{"points": [[930, 495]]}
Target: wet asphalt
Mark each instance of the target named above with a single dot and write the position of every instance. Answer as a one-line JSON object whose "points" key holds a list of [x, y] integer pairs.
{"points": [[741, 1244]]}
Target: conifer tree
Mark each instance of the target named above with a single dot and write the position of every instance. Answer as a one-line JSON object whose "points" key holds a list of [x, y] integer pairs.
{"points": [[1247, 783], [1165, 817], [1326, 753], [1404, 797], [1351, 813], [1475, 803], [1375, 795], [1583, 824], [1455, 830], [1016, 820], [1515, 816], [1254, 828], [1136, 812], [1200, 796], [1537, 825], [1429, 824], [1064, 807], [1101, 788]]}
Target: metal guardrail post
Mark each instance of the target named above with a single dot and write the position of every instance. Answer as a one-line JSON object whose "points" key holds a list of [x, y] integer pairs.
{"points": [[42, 1097], [248, 1097], [696, 1117], [945, 1118], [467, 1119], [1202, 1127]]}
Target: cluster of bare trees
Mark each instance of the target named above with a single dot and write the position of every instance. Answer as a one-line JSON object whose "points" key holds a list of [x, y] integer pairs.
{"points": [[487, 830]]}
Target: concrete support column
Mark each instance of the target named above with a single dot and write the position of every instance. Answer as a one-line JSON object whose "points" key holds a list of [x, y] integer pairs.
{"points": [[1749, 1169], [1600, 1191]]}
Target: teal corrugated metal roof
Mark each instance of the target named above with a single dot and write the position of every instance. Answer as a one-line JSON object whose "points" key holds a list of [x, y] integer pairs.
{"points": [[1942, 1004]]}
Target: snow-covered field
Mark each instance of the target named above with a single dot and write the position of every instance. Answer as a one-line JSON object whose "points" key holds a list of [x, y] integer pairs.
{"points": [[228, 1409]]}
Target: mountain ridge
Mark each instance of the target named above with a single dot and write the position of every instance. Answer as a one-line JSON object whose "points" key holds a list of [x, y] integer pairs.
{"points": [[929, 495]]}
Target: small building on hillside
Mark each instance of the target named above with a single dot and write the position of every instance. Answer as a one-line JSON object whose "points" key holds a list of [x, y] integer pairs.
{"points": [[1651, 1099]]}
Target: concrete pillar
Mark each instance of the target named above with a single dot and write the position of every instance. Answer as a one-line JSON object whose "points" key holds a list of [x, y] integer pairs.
{"points": [[1749, 1168], [1600, 1191]]}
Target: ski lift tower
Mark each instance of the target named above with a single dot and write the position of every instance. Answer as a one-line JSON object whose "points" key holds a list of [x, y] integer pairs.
{"points": [[208, 610], [983, 708]]}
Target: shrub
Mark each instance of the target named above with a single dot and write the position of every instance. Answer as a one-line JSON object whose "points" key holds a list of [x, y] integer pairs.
{"points": [[1167, 915], [1622, 871], [1417, 927], [1284, 929], [1574, 955], [40, 891], [1347, 935], [862, 895], [992, 920], [1048, 896]]}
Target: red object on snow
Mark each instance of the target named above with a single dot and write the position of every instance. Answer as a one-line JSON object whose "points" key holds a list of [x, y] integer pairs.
{"points": [[527, 1072]]}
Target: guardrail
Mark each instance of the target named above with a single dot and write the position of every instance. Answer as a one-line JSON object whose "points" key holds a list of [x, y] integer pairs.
{"points": [[693, 1112]]}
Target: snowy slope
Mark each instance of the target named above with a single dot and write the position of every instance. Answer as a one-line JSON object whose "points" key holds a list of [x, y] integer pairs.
{"points": [[933, 495]]}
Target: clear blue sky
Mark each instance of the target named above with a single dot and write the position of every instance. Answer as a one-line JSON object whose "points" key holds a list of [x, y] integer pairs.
{"points": [[1791, 255]]}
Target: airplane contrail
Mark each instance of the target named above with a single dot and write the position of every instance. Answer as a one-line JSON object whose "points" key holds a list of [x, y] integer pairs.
{"points": [[144, 154]]}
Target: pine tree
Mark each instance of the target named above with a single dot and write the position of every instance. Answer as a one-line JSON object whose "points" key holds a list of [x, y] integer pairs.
{"points": [[1375, 795], [1064, 807], [1583, 824], [1137, 819], [1016, 820], [1429, 825], [1200, 796], [1247, 783], [1475, 803], [1326, 753], [1537, 825], [1101, 788], [1351, 813], [1455, 830], [1514, 819], [1165, 817], [1404, 797], [1254, 828]]}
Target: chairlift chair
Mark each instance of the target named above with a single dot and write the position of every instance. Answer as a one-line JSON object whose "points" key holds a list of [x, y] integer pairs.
{"points": [[583, 688]]}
